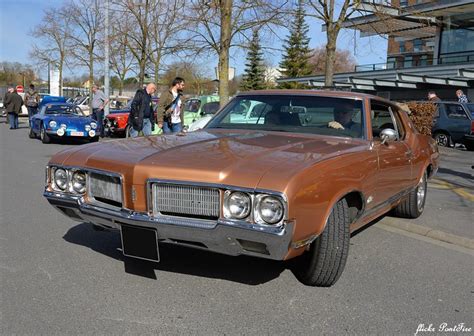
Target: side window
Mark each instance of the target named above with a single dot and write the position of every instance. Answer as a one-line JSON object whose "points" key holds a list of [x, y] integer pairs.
{"points": [[381, 118], [400, 128], [455, 111]]}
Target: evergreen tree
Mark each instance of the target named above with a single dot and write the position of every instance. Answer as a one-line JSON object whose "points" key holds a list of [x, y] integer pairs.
{"points": [[254, 76], [295, 61]]}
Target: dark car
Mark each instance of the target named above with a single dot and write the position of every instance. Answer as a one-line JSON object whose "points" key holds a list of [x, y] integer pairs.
{"points": [[469, 138], [453, 124]]}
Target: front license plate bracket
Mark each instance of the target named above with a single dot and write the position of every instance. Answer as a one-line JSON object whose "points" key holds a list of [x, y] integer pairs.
{"points": [[140, 242]]}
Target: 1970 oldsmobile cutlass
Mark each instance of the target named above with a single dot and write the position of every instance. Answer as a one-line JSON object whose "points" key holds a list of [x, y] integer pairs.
{"points": [[310, 169]]}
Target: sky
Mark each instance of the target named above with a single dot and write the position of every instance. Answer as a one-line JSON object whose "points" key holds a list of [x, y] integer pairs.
{"points": [[19, 17]]}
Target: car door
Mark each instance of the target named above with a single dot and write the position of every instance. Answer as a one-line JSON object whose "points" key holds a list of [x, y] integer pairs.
{"points": [[457, 121], [394, 174]]}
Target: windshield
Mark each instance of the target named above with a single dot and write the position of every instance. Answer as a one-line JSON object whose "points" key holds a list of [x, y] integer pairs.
{"points": [[296, 114], [192, 105], [63, 109]]}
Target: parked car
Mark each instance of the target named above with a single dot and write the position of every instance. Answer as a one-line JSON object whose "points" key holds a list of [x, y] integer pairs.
{"points": [[116, 122], [61, 120], [199, 107], [469, 138], [293, 184], [453, 124]]}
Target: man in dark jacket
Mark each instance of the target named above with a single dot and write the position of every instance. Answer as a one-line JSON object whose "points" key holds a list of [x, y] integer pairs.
{"points": [[171, 108], [31, 101], [5, 98], [14, 103], [141, 118]]}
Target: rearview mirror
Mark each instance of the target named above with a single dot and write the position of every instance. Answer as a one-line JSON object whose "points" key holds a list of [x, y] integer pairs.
{"points": [[388, 134]]}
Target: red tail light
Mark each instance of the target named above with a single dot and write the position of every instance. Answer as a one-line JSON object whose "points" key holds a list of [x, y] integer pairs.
{"points": [[472, 127]]}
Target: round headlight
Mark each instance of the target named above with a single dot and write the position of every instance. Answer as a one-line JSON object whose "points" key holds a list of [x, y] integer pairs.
{"points": [[87, 128], [60, 131], [92, 133], [63, 126], [60, 178], [237, 205], [79, 182], [53, 124], [93, 125], [270, 209]]}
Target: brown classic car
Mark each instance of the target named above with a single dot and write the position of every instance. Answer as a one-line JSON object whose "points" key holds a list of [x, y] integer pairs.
{"points": [[291, 181]]}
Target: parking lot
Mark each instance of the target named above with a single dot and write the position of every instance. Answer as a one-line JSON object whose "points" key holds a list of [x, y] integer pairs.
{"points": [[62, 277]]}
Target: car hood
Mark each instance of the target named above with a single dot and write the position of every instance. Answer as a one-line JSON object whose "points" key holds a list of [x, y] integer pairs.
{"points": [[70, 119], [238, 158]]}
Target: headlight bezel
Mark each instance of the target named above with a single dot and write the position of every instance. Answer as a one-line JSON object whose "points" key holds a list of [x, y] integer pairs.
{"points": [[54, 179], [74, 174], [259, 218], [52, 124], [228, 213], [255, 216], [93, 125], [69, 186]]}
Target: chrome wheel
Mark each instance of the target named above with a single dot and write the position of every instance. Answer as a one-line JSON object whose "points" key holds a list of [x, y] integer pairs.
{"points": [[420, 194], [442, 139]]}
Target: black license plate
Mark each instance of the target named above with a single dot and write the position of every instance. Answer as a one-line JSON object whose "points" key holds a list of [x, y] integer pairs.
{"points": [[140, 242]]}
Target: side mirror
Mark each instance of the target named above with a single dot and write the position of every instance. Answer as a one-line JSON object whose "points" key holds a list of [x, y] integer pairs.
{"points": [[388, 134]]}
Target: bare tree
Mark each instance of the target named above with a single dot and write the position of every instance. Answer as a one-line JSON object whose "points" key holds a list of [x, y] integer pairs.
{"points": [[166, 24], [218, 25], [53, 34], [87, 17], [121, 59], [333, 16]]}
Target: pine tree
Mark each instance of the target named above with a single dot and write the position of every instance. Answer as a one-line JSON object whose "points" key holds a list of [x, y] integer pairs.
{"points": [[254, 76], [295, 62]]}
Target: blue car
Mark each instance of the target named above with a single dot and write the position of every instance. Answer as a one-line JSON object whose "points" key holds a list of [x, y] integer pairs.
{"points": [[61, 120]]}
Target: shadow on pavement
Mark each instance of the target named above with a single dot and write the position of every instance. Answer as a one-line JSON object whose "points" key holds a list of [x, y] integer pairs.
{"points": [[455, 173], [179, 259]]}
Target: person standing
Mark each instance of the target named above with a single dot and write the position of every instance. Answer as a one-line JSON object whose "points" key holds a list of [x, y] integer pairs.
{"points": [[141, 117], [99, 100], [462, 98], [5, 98], [31, 102], [14, 103], [170, 108], [432, 97]]}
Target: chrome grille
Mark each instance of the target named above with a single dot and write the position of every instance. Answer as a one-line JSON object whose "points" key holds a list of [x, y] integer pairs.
{"points": [[105, 189], [187, 201]]}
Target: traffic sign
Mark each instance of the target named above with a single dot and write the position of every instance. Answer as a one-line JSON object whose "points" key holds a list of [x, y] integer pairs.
{"points": [[19, 88]]}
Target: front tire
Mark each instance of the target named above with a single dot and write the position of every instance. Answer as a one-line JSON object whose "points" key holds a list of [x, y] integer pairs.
{"points": [[127, 131], [44, 136], [414, 204], [323, 264], [32, 134]]}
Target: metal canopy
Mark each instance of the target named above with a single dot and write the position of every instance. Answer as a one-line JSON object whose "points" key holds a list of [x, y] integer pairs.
{"points": [[396, 26], [468, 73], [431, 80]]}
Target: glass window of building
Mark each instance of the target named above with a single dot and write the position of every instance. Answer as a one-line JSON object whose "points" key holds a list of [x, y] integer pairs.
{"points": [[403, 3], [417, 45], [458, 37], [402, 47]]}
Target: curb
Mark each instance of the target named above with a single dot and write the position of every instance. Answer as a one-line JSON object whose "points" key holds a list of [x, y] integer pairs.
{"points": [[429, 232]]}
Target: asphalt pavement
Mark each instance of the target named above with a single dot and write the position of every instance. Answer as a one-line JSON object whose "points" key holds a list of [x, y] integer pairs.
{"points": [[61, 277]]}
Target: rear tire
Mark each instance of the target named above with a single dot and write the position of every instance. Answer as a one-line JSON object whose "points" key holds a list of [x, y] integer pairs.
{"points": [[412, 206], [469, 146], [45, 138], [443, 139], [323, 264]]}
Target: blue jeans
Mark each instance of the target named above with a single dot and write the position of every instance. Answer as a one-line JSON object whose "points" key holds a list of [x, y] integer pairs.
{"points": [[13, 118], [146, 129], [175, 128], [98, 115], [31, 112]]}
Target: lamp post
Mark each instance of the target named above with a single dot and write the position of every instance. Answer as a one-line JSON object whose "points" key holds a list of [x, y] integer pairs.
{"points": [[106, 61]]}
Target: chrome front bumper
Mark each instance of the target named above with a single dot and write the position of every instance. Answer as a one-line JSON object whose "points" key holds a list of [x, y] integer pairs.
{"points": [[221, 236]]}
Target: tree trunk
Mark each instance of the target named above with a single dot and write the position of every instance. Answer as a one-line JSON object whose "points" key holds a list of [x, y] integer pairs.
{"points": [[330, 59], [226, 16], [91, 80]]}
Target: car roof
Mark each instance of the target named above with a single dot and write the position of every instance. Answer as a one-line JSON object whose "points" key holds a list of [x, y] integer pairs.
{"points": [[320, 93]]}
